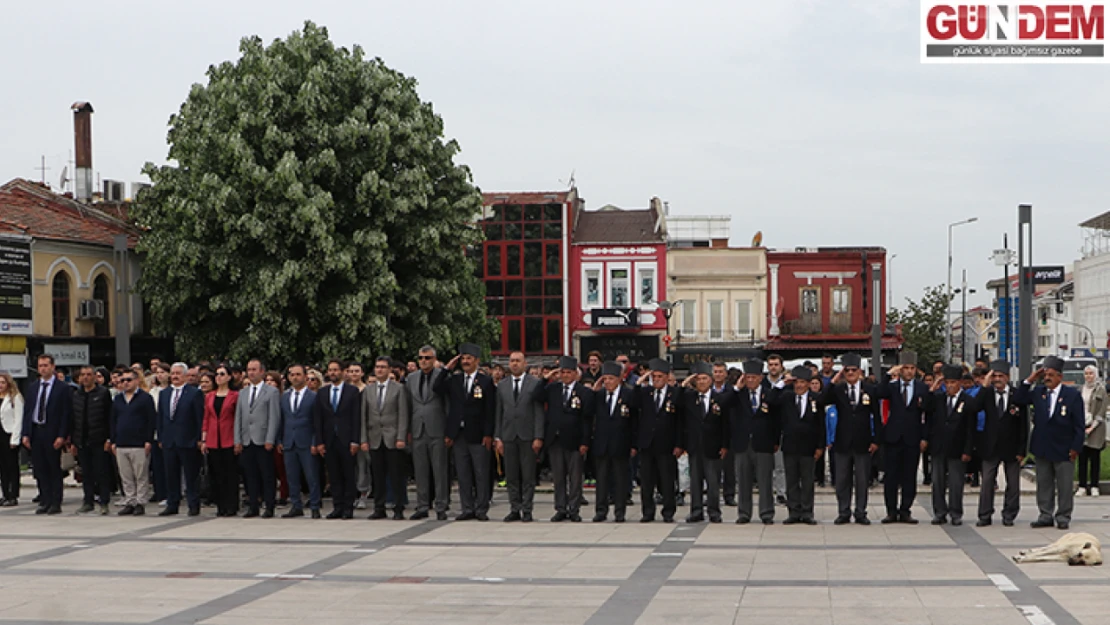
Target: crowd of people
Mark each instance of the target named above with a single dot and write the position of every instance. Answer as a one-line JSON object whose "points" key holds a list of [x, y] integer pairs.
{"points": [[257, 439]]}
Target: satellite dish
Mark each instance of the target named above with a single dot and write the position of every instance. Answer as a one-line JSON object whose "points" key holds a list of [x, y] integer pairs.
{"points": [[64, 179], [757, 240]]}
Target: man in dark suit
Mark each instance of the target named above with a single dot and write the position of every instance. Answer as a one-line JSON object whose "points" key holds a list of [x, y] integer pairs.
{"points": [[903, 436], [568, 408], [296, 442], [707, 440], [659, 441], [616, 414], [950, 425], [471, 403], [726, 394], [858, 426], [518, 435], [337, 418], [755, 439], [429, 449], [180, 419], [1002, 441], [1056, 440], [802, 422], [47, 418]]}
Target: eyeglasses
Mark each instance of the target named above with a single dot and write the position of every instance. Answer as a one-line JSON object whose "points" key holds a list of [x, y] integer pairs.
{"points": [[219, 373], [427, 357], [127, 380]]}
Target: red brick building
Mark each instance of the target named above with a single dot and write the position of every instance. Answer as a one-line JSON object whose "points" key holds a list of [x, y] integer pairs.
{"points": [[823, 300]]}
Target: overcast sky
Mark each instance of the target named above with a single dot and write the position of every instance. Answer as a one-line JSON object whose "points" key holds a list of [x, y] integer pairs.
{"points": [[812, 121]]}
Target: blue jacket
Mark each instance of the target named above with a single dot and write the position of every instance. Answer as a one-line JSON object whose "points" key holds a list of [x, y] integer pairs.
{"points": [[1057, 432], [132, 423], [183, 430], [830, 424], [59, 411], [298, 430]]}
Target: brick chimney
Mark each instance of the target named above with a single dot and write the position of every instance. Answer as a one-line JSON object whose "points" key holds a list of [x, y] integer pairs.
{"points": [[82, 133]]}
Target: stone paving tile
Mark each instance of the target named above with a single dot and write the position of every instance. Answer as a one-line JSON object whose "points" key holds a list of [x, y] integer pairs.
{"points": [[1091, 606]]}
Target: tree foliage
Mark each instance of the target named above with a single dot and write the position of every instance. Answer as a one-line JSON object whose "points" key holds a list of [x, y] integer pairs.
{"points": [[923, 324], [313, 209]]}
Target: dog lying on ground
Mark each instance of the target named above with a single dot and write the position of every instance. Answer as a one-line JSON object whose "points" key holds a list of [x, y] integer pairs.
{"points": [[1077, 549]]}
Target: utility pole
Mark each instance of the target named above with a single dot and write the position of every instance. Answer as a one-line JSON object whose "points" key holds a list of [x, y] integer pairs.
{"points": [[42, 169], [1027, 326]]}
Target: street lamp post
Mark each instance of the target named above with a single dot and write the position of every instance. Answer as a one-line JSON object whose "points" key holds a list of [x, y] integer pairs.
{"points": [[890, 283], [667, 308], [963, 291], [948, 304]]}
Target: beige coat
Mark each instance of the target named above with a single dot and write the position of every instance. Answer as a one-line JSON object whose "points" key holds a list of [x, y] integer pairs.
{"points": [[1096, 417]]}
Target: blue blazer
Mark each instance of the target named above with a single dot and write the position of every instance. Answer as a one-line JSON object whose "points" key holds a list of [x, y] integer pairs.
{"points": [[59, 410], [298, 429], [1056, 433], [183, 431]]}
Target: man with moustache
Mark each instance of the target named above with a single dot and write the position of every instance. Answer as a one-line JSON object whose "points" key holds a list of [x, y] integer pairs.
{"points": [[429, 450], [950, 427], [1002, 442], [858, 426], [707, 441], [755, 439], [803, 442], [726, 395], [471, 397], [338, 416], [569, 405], [659, 440], [615, 420]]}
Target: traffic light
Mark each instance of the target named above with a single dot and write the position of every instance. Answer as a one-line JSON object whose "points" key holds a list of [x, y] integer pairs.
{"points": [[1044, 315]]}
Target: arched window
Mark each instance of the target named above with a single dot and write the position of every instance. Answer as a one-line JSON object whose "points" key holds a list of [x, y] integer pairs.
{"points": [[101, 326], [60, 295]]}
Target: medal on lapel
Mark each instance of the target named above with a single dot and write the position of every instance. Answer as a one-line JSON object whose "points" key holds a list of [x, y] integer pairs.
{"points": [[624, 410], [670, 406], [575, 403], [477, 392], [1063, 411], [763, 407], [866, 401], [813, 405], [716, 408]]}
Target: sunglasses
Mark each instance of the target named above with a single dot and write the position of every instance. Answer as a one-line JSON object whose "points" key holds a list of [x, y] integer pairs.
{"points": [[219, 373], [427, 357], [127, 379]]}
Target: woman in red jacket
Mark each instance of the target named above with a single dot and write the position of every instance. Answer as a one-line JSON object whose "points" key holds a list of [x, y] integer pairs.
{"points": [[218, 444]]}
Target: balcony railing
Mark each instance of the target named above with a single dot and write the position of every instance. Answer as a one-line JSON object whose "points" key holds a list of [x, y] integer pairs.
{"points": [[816, 326], [740, 338]]}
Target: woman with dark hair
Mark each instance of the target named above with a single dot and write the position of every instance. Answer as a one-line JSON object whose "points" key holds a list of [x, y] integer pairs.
{"points": [[218, 443]]}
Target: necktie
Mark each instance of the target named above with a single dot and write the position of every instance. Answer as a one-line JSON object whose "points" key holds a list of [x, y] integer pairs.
{"points": [[41, 417], [801, 405], [334, 398], [1001, 403], [423, 381], [173, 404], [296, 400], [381, 395], [705, 406], [951, 405], [906, 393], [658, 399], [566, 394], [254, 393], [755, 401], [516, 388], [612, 404], [469, 382], [852, 394]]}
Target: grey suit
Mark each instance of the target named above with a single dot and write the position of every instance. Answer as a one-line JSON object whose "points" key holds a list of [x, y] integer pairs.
{"points": [[257, 424], [385, 423], [429, 450], [520, 420]]}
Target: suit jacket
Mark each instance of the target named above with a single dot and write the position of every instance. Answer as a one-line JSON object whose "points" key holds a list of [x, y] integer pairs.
{"points": [[803, 433], [219, 429], [660, 430], [298, 429], [951, 433], [258, 424], [428, 407], [859, 426], [759, 428], [566, 423], [706, 433], [180, 430], [59, 410], [905, 425], [470, 416], [343, 422], [1056, 429], [614, 430], [1004, 435], [521, 417], [388, 424]]}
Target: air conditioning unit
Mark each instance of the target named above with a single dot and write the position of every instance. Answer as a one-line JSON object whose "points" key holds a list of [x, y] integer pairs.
{"points": [[114, 191], [90, 309], [136, 188]]}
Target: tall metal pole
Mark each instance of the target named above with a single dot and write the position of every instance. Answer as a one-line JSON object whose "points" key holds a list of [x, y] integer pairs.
{"points": [[963, 318], [1008, 309], [876, 321], [1026, 326], [123, 299], [948, 303]]}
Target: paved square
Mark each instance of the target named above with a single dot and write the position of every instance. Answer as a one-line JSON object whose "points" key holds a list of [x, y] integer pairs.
{"points": [[91, 569]]}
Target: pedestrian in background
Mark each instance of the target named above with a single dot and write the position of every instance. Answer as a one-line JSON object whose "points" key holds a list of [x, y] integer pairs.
{"points": [[1094, 430]]}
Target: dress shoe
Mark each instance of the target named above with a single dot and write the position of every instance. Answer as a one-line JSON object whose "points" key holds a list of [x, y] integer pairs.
{"points": [[680, 500], [55, 509], [398, 514], [743, 520], [618, 518], [85, 508], [1062, 525], [842, 520], [168, 512], [907, 518], [890, 518], [37, 499], [525, 517], [957, 522], [348, 515], [196, 512], [251, 514], [315, 514], [140, 510], [335, 514], [982, 522], [730, 501], [419, 516], [791, 520], [768, 521], [512, 517], [695, 518], [268, 514], [780, 500], [441, 516], [809, 521], [559, 517], [600, 518], [647, 519], [8, 503], [293, 513], [1039, 524], [465, 516], [1007, 522], [103, 509], [377, 514], [668, 519], [714, 518], [126, 511], [482, 516], [862, 520], [575, 517], [939, 521]]}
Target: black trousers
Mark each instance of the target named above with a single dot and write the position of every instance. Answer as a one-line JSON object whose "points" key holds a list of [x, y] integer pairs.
{"points": [[1089, 467], [182, 460], [258, 469], [388, 464], [900, 462], [9, 467], [658, 472], [47, 463], [729, 485], [612, 478], [96, 473], [223, 476], [343, 475]]}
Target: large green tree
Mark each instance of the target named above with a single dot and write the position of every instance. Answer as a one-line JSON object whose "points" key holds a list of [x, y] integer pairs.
{"points": [[312, 208], [923, 323]]}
